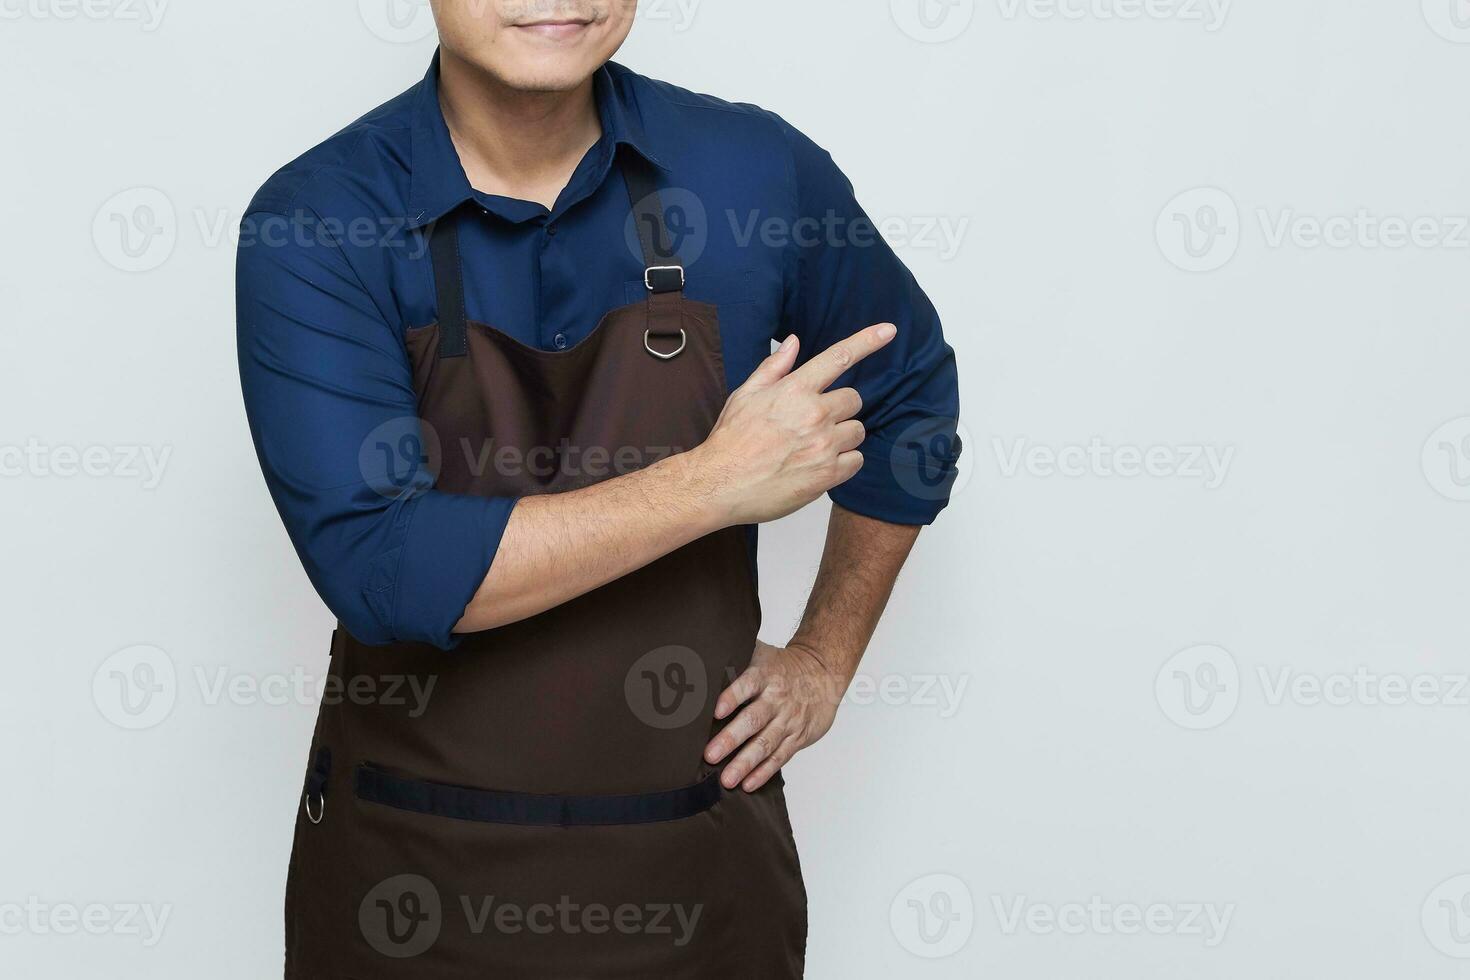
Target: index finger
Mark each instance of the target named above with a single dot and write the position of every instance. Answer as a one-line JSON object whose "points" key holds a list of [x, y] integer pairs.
{"points": [[830, 365]]}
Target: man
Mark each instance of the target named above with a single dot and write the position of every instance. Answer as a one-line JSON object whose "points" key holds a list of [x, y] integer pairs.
{"points": [[503, 274]]}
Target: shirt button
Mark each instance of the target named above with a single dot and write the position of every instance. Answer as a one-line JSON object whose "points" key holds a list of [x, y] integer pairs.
{"points": [[551, 231], [560, 340]]}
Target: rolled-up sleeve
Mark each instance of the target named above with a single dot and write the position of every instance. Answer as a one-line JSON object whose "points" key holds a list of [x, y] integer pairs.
{"points": [[329, 395], [844, 277]]}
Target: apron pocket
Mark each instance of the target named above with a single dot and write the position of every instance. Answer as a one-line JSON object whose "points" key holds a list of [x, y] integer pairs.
{"points": [[377, 785], [456, 882]]}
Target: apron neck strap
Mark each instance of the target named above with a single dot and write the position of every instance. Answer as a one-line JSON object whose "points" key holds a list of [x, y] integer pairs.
{"points": [[449, 285], [663, 271]]}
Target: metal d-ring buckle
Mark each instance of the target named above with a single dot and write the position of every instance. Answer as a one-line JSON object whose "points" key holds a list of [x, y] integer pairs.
{"points": [[321, 807], [683, 341], [648, 274]]}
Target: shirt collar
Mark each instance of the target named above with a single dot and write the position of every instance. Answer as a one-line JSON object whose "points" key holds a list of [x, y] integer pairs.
{"points": [[437, 181]]}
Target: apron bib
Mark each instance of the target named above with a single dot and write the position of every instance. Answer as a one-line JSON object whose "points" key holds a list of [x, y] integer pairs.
{"points": [[545, 810]]}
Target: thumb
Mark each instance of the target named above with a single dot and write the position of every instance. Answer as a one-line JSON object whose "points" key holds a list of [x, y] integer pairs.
{"points": [[777, 366]]}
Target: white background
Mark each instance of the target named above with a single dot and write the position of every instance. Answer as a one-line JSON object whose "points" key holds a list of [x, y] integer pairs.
{"points": [[1080, 764]]}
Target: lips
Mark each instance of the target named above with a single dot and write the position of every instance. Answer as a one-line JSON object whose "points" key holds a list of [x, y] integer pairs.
{"points": [[555, 29]]}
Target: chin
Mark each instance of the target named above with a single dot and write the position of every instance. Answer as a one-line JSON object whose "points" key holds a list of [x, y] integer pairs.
{"points": [[546, 78]]}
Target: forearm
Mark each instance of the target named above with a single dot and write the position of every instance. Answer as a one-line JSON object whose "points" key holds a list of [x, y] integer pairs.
{"points": [[559, 546], [860, 563], [781, 441], [790, 695]]}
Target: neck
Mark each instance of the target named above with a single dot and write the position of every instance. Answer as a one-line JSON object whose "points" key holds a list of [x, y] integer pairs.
{"points": [[515, 143]]}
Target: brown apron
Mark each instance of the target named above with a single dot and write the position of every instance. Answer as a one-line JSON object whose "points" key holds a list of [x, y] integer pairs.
{"points": [[544, 809]]}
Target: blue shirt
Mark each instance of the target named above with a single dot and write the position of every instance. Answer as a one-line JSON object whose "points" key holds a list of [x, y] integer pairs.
{"points": [[333, 268]]}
